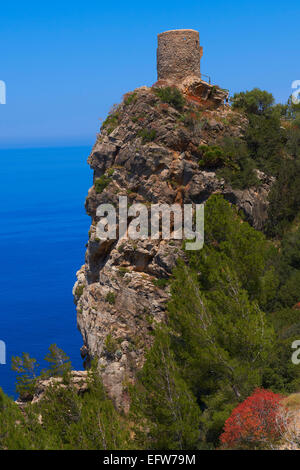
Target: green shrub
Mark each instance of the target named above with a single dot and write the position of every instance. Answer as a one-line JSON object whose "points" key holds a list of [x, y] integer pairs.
{"points": [[240, 173], [123, 271], [110, 171], [255, 101], [101, 183], [214, 156], [241, 179], [111, 345], [111, 298], [112, 121], [147, 135], [130, 98], [79, 290], [162, 282], [172, 96], [284, 198], [266, 138]]}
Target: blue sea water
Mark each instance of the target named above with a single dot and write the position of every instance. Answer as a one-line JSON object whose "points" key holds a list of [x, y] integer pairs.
{"points": [[43, 230]]}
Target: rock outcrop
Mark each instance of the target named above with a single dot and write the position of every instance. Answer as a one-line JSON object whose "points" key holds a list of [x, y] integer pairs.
{"points": [[148, 151], [78, 378]]}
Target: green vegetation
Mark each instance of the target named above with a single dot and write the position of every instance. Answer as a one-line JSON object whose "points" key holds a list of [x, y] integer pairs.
{"points": [[231, 160], [257, 102], [147, 135], [163, 402], [232, 316], [101, 183], [122, 271], [111, 298], [79, 290], [273, 146], [110, 172], [59, 362], [265, 137], [162, 282], [69, 420], [271, 143], [230, 325], [121, 248], [110, 345], [237, 168], [214, 156], [26, 368], [130, 98], [229, 331], [172, 96], [112, 120], [284, 198]]}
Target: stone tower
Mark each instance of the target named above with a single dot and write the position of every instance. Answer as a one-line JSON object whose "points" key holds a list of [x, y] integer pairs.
{"points": [[178, 55]]}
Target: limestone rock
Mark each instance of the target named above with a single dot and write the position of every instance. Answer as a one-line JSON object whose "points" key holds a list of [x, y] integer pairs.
{"points": [[78, 379], [149, 153]]}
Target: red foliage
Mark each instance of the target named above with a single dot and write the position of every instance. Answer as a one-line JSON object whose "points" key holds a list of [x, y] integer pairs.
{"points": [[255, 420]]}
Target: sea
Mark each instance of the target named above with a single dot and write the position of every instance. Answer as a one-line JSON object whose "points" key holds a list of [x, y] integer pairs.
{"points": [[43, 232]]}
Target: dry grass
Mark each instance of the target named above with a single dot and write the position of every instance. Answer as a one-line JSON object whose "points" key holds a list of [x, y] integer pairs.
{"points": [[292, 402]]}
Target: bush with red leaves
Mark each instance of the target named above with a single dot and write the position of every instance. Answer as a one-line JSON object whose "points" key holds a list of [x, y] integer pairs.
{"points": [[254, 423]]}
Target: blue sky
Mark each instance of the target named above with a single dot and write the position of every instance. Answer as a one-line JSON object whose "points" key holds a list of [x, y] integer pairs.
{"points": [[66, 63]]}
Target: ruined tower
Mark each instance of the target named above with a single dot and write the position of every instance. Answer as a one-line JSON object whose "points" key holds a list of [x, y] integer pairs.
{"points": [[178, 55]]}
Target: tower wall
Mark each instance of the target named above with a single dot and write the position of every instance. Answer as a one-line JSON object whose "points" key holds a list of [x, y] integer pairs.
{"points": [[178, 54]]}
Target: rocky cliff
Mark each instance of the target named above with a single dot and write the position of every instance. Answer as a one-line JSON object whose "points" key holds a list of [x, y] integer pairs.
{"points": [[149, 151]]}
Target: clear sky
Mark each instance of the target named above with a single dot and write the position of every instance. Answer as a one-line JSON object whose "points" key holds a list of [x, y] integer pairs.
{"points": [[66, 63]]}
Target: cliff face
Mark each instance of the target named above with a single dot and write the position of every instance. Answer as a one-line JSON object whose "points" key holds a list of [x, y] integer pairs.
{"points": [[148, 151]]}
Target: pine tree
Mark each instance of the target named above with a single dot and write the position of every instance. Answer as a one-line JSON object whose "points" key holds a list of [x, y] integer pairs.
{"points": [[222, 339], [13, 435], [60, 364], [74, 421], [100, 427], [163, 407], [26, 368]]}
